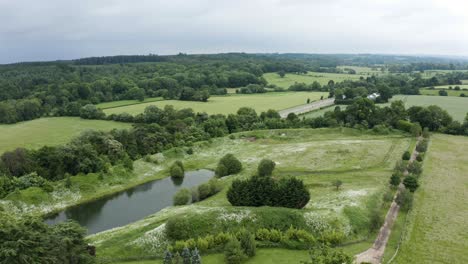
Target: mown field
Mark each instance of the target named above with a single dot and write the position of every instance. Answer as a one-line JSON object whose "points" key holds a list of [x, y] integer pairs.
{"points": [[321, 77], [362, 160], [437, 227], [49, 131], [127, 102], [457, 107], [229, 104]]}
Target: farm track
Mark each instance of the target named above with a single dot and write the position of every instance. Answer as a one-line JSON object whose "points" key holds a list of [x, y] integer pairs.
{"points": [[375, 253]]}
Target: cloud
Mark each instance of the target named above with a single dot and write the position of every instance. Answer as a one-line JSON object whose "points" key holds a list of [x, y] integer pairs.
{"points": [[64, 29]]}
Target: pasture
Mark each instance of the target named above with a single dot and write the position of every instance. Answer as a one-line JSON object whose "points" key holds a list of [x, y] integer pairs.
{"points": [[49, 131], [231, 103], [360, 70], [457, 107], [362, 160], [126, 102], [321, 77], [436, 231], [435, 92]]}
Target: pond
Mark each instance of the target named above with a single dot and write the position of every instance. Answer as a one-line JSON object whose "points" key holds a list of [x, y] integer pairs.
{"points": [[130, 205]]}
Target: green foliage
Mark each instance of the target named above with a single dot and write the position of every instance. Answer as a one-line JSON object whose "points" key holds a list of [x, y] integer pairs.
{"points": [[411, 183], [182, 197], [325, 255], [167, 257], [186, 256], [405, 199], [395, 179], [30, 240], [337, 184], [247, 241], [422, 145], [261, 191], [177, 170], [233, 253], [415, 168], [228, 165], [266, 167], [406, 155]]}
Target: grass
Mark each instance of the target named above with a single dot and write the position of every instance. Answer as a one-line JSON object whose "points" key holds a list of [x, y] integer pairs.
{"points": [[457, 107], [321, 77], [230, 103], [361, 159], [362, 70], [120, 103], [436, 92], [49, 131], [436, 231]]}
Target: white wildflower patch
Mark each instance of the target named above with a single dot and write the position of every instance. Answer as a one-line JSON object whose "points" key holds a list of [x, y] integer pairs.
{"points": [[154, 240], [236, 216], [323, 221], [337, 200]]}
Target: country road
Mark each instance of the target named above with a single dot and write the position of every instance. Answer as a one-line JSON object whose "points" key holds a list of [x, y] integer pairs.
{"points": [[301, 109]]}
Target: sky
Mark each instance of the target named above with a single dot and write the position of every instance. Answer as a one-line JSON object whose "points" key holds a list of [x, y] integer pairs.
{"points": [[33, 30]]}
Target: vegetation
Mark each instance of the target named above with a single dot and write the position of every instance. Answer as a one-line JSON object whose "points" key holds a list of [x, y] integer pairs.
{"points": [[266, 167], [177, 170], [182, 197], [228, 165]]}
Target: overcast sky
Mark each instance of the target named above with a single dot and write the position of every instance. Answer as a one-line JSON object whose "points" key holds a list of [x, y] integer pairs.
{"points": [[61, 29]]}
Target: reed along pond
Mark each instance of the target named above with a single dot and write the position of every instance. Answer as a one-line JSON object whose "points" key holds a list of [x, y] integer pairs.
{"points": [[130, 205]]}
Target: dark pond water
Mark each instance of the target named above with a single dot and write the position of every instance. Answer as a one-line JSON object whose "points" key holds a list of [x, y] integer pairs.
{"points": [[130, 205]]}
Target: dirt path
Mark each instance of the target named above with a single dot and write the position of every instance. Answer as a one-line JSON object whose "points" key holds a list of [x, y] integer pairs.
{"points": [[375, 253], [301, 109]]}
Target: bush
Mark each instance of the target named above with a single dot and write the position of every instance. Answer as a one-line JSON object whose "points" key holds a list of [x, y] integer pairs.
{"points": [[232, 165], [233, 253], [247, 241], [204, 191], [182, 197], [395, 179], [422, 146], [420, 157], [266, 167], [415, 168], [411, 183], [405, 200], [177, 170], [406, 156]]}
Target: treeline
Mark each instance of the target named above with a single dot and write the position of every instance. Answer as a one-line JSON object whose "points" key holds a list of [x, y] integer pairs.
{"points": [[424, 66]]}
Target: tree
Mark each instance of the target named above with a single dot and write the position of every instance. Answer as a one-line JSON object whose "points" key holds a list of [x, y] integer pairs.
{"points": [[337, 184], [182, 197], [68, 182], [186, 256], [406, 155], [281, 73], [228, 165], [90, 111], [177, 170], [233, 253], [443, 93], [308, 100], [411, 183], [405, 199], [167, 257], [247, 241], [266, 167], [196, 258], [323, 254], [395, 179]]}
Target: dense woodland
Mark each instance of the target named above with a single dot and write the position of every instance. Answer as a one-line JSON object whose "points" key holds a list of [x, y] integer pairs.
{"points": [[62, 88]]}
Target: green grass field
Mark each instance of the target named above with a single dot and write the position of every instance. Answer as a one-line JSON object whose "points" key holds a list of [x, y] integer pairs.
{"points": [[462, 86], [310, 77], [362, 70], [457, 107], [127, 102], [49, 131], [362, 160], [437, 230], [436, 92], [231, 103]]}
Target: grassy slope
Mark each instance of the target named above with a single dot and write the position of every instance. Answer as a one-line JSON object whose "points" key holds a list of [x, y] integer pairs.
{"points": [[127, 102], [437, 231], [362, 161], [321, 77], [49, 131], [457, 107], [230, 104]]}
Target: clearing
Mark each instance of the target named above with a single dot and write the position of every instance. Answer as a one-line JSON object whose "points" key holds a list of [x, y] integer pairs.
{"points": [[231, 103], [436, 231], [321, 77], [49, 131]]}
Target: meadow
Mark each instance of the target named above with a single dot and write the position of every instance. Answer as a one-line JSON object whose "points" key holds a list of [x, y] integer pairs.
{"points": [[436, 231], [435, 92], [321, 77], [230, 103], [49, 131], [362, 160], [457, 107], [120, 103]]}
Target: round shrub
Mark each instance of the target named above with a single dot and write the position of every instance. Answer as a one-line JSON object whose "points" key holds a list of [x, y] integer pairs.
{"points": [[395, 179], [266, 167], [232, 164], [406, 156], [182, 197], [177, 170], [420, 157], [204, 191], [411, 183]]}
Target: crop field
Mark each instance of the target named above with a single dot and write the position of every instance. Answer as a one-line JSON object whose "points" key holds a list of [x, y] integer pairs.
{"points": [[321, 77], [49, 131], [437, 231], [457, 107], [362, 160], [449, 92], [231, 103]]}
